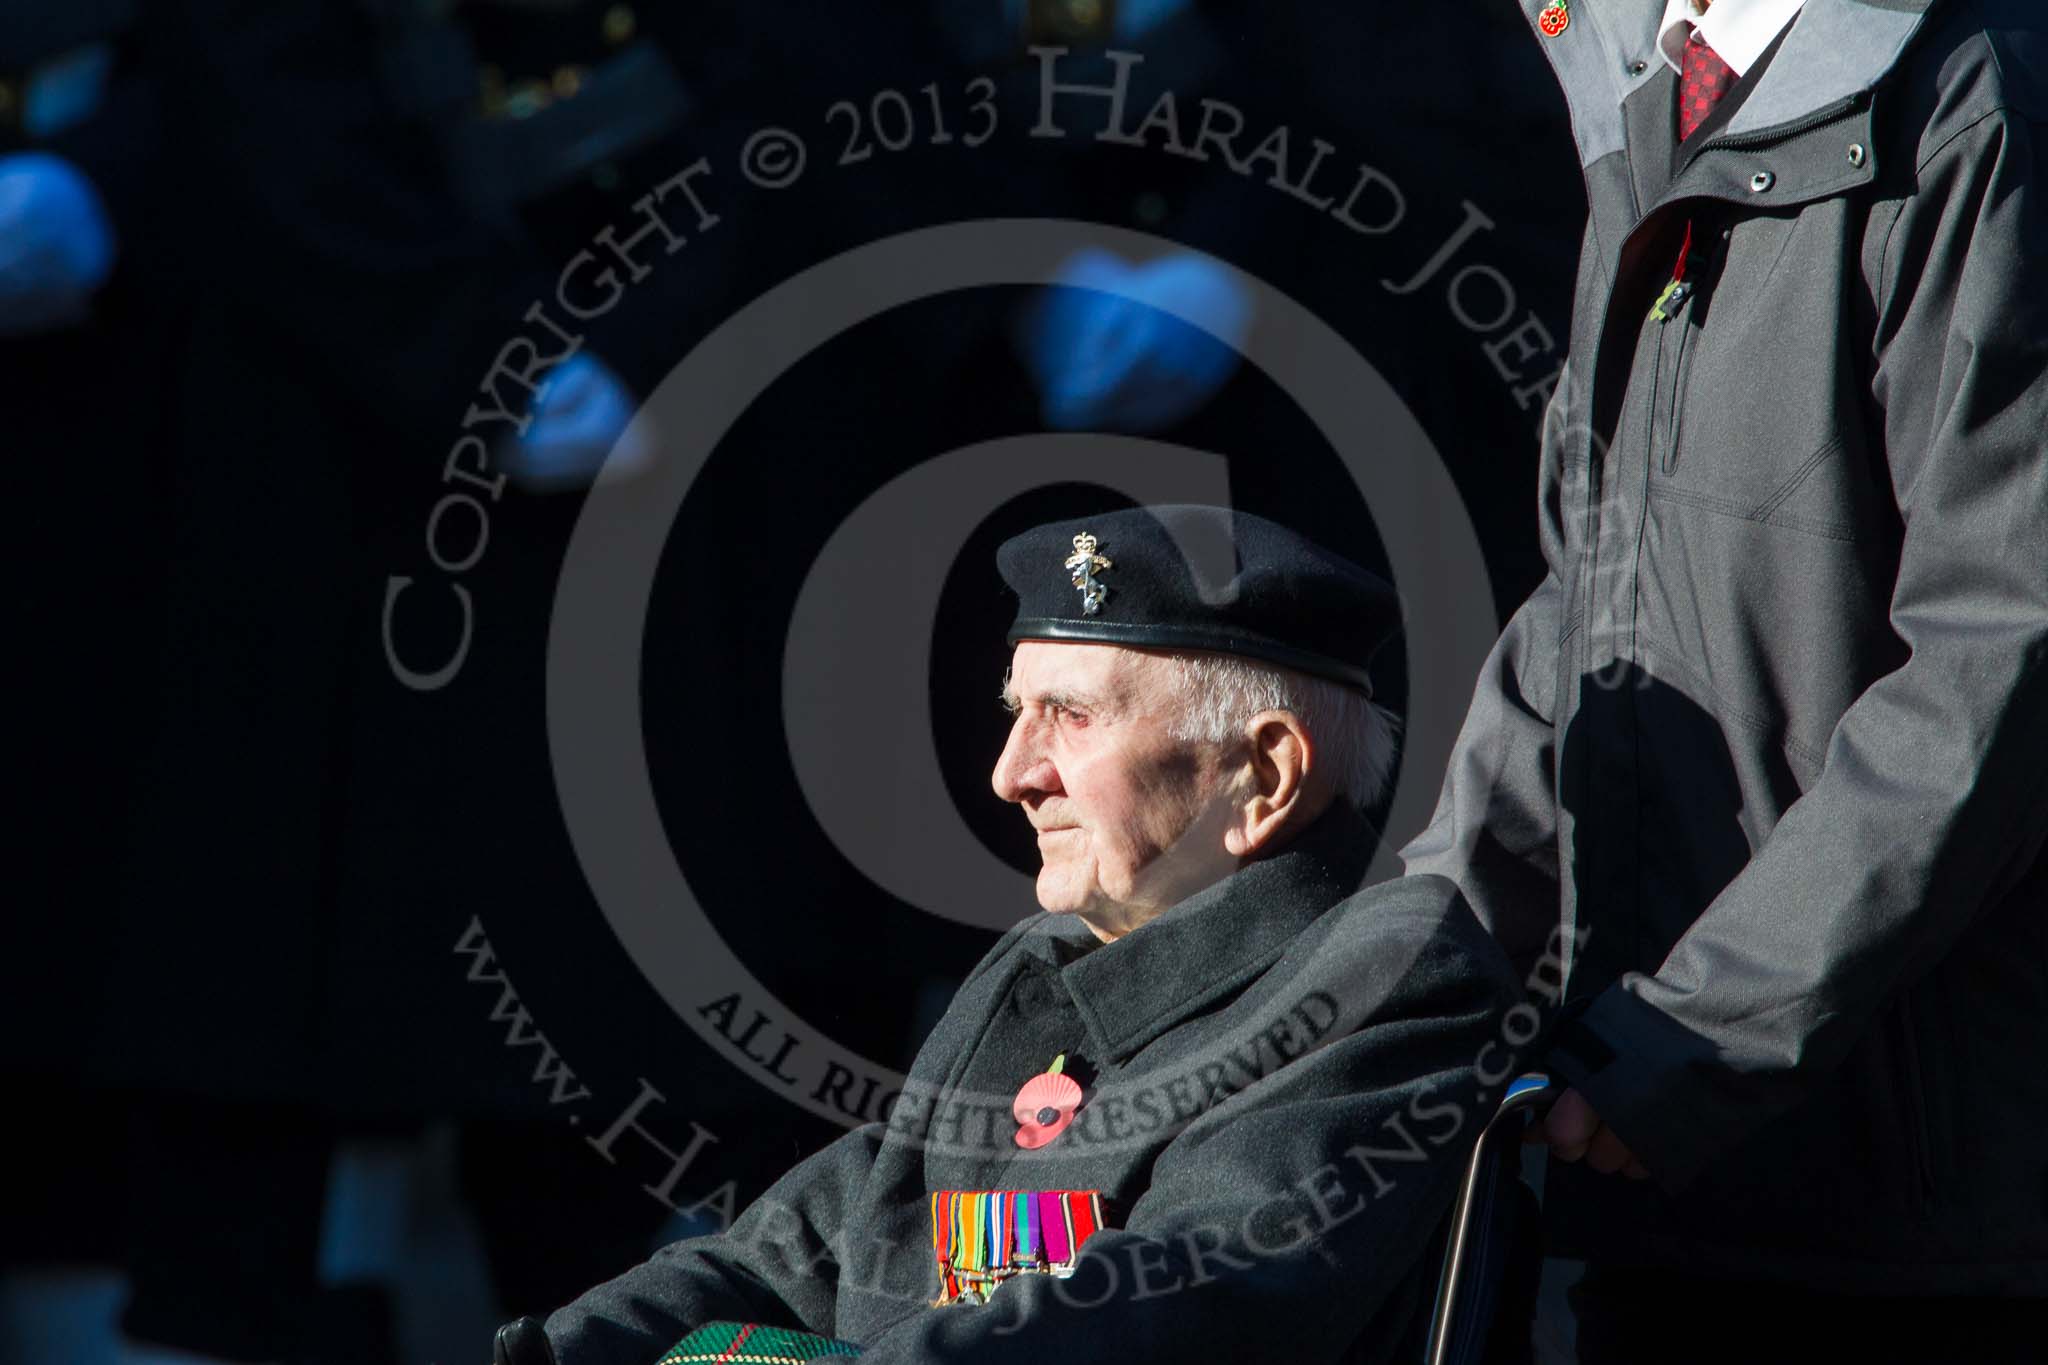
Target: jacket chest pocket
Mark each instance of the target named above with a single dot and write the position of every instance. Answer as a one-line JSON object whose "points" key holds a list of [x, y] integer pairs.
{"points": [[1754, 403]]}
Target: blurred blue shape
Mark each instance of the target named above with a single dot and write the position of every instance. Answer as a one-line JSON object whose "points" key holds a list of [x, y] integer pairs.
{"points": [[1133, 18], [368, 1206], [61, 1313], [582, 427], [1136, 18], [67, 91], [1106, 354], [56, 243]]}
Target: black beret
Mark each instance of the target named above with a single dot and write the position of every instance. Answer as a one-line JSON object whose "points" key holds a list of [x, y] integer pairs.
{"points": [[1199, 578]]}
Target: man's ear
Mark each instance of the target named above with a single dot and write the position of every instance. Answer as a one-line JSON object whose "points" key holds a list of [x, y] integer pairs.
{"points": [[1281, 797]]}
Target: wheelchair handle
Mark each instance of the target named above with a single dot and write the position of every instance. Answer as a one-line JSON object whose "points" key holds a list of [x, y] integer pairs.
{"points": [[1528, 1098]]}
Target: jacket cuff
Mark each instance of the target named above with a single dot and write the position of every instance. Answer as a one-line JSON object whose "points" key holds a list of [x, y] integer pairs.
{"points": [[1632, 1063]]}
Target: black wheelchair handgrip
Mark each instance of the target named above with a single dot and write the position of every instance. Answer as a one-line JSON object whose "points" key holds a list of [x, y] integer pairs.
{"points": [[522, 1343]]}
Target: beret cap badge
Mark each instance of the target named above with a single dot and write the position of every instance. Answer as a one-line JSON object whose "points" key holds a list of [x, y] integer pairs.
{"points": [[1083, 565], [1200, 579]]}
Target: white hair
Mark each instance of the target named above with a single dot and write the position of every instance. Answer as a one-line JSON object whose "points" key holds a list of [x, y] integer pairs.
{"points": [[1218, 694]]}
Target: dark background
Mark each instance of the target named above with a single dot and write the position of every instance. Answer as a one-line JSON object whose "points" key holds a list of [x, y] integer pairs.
{"points": [[259, 1105]]}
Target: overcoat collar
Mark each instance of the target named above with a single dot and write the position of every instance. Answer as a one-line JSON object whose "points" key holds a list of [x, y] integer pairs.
{"points": [[1130, 991]]}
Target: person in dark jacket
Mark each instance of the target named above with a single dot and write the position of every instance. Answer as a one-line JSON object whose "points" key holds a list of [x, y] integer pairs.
{"points": [[1210, 1096], [1773, 729]]}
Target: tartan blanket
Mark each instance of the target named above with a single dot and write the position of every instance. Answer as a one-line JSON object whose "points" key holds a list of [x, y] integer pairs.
{"points": [[749, 1343]]}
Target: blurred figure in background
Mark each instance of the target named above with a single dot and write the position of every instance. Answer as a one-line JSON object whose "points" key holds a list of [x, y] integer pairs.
{"points": [[85, 298]]}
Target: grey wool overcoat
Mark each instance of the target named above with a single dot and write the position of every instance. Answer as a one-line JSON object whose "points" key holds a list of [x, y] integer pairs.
{"points": [[1282, 1081]]}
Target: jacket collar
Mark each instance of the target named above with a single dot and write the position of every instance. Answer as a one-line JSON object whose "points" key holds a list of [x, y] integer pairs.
{"points": [[1836, 49], [1132, 990]]}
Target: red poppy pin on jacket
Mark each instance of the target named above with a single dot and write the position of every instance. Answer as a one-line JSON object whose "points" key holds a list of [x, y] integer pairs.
{"points": [[1045, 1105]]}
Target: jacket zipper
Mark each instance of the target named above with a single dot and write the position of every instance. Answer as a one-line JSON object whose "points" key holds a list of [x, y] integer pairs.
{"points": [[1656, 381], [1762, 137], [1681, 303], [1678, 370], [1806, 123]]}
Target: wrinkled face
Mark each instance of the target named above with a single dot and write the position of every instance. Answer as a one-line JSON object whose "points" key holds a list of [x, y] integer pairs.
{"points": [[1129, 819]]}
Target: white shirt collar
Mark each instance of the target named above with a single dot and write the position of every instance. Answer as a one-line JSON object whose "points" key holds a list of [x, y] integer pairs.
{"points": [[1737, 30]]}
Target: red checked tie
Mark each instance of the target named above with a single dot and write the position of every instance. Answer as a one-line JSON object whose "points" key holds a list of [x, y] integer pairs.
{"points": [[1704, 79]]}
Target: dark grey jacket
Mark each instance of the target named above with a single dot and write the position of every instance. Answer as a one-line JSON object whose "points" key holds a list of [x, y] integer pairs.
{"points": [[1775, 727], [1281, 1089]]}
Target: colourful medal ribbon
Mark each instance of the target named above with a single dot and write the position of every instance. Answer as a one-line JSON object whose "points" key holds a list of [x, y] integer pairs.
{"points": [[982, 1237], [1058, 1234], [1027, 1244]]}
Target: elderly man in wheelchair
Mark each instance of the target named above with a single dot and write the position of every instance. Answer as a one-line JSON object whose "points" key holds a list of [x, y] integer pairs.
{"points": [[1214, 1102]]}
